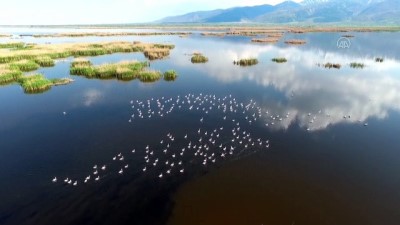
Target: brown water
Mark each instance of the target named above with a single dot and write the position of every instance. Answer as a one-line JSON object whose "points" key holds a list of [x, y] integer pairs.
{"points": [[329, 179]]}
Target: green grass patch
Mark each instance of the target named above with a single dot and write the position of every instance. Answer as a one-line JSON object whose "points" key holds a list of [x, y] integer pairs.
{"points": [[9, 76], [149, 76], [36, 83], [170, 75], [44, 61], [279, 60], [246, 62], [25, 65], [357, 65], [12, 45], [332, 65], [198, 58]]}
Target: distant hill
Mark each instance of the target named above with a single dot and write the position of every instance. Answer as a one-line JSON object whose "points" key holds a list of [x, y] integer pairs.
{"points": [[312, 11]]}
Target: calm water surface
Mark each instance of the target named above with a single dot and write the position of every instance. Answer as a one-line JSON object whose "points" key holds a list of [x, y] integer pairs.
{"points": [[333, 170]]}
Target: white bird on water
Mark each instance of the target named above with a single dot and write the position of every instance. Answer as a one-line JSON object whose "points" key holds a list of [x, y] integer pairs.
{"points": [[54, 179]]}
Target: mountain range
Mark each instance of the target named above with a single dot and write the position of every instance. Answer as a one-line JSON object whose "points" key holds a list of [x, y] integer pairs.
{"points": [[308, 11]]}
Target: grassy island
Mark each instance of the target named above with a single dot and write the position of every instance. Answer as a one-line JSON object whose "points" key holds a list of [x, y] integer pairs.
{"points": [[265, 40], [198, 58], [246, 62], [279, 60], [357, 65], [330, 65], [295, 42], [125, 70], [170, 75]]}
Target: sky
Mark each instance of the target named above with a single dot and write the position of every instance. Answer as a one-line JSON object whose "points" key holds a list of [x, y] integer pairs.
{"points": [[56, 12]]}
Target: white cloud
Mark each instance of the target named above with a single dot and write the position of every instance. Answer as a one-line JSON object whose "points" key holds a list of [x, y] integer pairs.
{"points": [[107, 11], [328, 95], [91, 96]]}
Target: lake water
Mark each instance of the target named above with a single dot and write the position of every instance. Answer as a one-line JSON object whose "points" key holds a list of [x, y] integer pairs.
{"points": [[333, 155]]}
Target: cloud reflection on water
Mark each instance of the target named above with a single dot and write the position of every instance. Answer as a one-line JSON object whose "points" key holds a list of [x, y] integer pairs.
{"points": [[91, 96], [329, 95]]}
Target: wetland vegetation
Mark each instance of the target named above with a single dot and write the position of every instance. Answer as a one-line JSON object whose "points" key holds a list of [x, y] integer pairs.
{"points": [[279, 60], [109, 34], [246, 62], [198, 58], [125, 70], [295, 42], [170, 75], [330, 65], [357, 65], [16, 58], [265, 40]]}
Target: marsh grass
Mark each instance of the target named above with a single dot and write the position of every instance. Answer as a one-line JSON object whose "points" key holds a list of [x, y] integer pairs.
{"points": [[81, 62], [12, 45], [8, 76], [198, 58], [330, 65], [279, 60], [44, 61], [379, 59], [36, 83], [108, 34], [57, 51], [265, 40], [170, 75], [149, 76], [25, 65], [295, 42], [246, 62], [156, 53], [357, 65], [126, 70]]}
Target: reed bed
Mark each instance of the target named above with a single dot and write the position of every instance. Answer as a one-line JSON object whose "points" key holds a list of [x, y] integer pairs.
{"points": [[170, 75], [246, 62], [36, 83], [279, 60], [253, 32], [57, 51], [108, 34], [295, 42], [198, 58], [265, 40], [81, 62], [149, 76], [25, 65], [380, 60], [357, 65], [44, 61], [12, 45], [276, 35], [156, 53], [9, 76], [330, 65], [126, 70], [215, 34]]}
